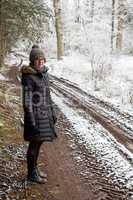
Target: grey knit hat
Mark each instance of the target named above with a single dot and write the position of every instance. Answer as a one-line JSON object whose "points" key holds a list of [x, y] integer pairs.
{"points": [[36, 53]]}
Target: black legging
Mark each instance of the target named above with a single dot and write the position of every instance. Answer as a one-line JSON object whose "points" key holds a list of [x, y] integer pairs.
{"points": [[32, 155]]}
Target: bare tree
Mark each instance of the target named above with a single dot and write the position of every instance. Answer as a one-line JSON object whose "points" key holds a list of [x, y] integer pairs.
{"points": [[58, 27], [120, 23], [113, 25], [92, 9], [77, 9], [1, 36]]}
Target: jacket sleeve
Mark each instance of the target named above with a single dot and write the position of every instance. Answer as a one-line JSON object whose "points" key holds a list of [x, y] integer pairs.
{"points": [[52, 104], [27, 90], [53, 110]]}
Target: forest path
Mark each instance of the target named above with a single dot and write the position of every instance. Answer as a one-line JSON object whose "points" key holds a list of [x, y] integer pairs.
{"points": [[69, 176]]}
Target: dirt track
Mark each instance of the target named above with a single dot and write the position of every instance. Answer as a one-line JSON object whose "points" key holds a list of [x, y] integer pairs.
{"points": [[68, 178], [72, 179], [63, 180], [73, 172], [113, 125]]}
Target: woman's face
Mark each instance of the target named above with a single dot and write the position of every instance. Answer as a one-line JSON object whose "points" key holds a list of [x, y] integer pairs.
{"points": [[39, 64]]}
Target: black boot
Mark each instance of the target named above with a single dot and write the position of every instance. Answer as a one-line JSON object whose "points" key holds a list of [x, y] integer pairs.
{"points": [[32, 155], [35, 178], [41, 174]]}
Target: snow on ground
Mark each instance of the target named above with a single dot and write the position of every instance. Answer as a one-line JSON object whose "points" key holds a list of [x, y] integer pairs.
{"points": [[112, 81], [11, 59], [2, 77], [100, 142], [114, 86], [15, 58]]}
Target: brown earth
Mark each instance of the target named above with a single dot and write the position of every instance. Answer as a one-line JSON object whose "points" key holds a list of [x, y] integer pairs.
{"points": [[64, 182], [69, 178]]}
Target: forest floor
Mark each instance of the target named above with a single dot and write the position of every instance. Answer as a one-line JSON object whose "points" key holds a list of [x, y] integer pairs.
{"points": [[69, 176]]}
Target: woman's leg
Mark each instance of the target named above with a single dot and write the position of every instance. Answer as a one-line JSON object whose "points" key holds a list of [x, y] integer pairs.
{"points": [[41, 174], [37, 152], [32, 155]]}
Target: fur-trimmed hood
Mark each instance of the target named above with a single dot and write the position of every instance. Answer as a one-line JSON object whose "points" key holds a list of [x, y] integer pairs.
{"points": [[27, 69]]}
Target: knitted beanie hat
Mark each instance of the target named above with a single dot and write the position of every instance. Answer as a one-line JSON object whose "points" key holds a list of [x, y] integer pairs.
{"points": [[36, 53]]}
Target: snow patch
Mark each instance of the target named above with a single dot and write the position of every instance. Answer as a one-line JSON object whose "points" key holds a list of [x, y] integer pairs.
{"points": [[97, 138], [2, 77], [113, 84]]}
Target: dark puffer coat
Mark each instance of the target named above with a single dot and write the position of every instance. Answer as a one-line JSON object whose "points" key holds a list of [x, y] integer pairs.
{"points": [[39, 114]]}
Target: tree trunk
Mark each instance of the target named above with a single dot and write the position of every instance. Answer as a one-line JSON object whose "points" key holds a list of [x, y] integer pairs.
{"points": [[2, 36], [113, 25], [1, 57], [92, 10], [77, 11], [58, 27], [120, 20]]}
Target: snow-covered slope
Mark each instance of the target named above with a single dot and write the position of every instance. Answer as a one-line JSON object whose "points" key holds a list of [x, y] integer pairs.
{"points": [[112, 82]]}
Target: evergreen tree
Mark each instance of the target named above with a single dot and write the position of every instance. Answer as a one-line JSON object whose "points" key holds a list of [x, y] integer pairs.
{"points": [[21, 19]]}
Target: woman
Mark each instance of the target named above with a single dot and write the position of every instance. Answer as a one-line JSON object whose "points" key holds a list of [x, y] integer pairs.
{"points": [[39, 115]]}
